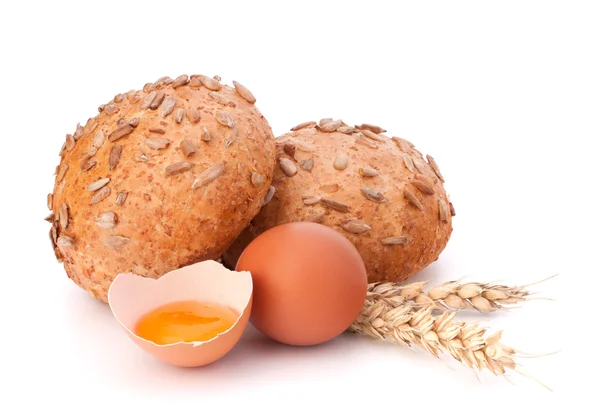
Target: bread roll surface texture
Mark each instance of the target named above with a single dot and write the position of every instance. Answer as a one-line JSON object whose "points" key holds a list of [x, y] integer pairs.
{"points": [[161, 178], [378, 191]]}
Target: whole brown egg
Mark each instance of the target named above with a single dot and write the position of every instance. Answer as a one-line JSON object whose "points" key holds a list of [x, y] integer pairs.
{"points": [[309, 282]]}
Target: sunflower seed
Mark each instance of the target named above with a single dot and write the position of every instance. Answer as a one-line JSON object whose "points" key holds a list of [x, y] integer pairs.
{"points": [[394, 241], [225, 119], [180, 81], [335, 205], [434, 166], [422, 186], [87, 164], [98, 139], [101, 108], [373, 195], [64, 241], [288, 167], [187, 147], [329, 188], [347, 130], [120, 121], [331, 126], [408, 162], [205, 135], [120, 132], [178, 167], [269, 195], [135, 97], [315, 218], [452, 211], [355, 226], [157, 143], [49, 200], [140, 157], [147, 101], [222, 99], [50, 218], [310, 200], [257, 179], [372, 135], [208, 175], [303, 125], [244, 92], [194, 115], [116, 241], [98, 184], [114, 156], [373, 128], [110, 109], [121, 197], [100, 195], [178, 115], [420, 166], [63, 216], [157, 101], [412, 199], [303, 146], [54, 233], [361, 140], [444, 213], [307, 164], [290, 149], [165, 80], [70, 142], [368, 172], [159, 131], [209, 83], [62, 149], [106, 220], [78, 132], [62, 171], [147, 87], [340, 162], [167, 106], [325, 121], [403, 144], [118, 98]]}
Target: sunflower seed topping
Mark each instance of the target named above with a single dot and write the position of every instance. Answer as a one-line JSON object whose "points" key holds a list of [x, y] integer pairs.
{"points": [[178, 167], [178, 115], [205, 135], [288, 167], [114, 156], [325, 121], [355, 226], [225, 119], [373, 195], [340, 162], [403, 144], [63, 216], [372, 135], [222, 99], [329, 188], [310, 200], [187, 147], [69, 142], [303, 125], [269, 195], [422, 186], [420, 166], [157, 101], [208, 175], [290, 149], [98, 184], [87, 164], [98, 139], [62, 171], [106, 220], [361, 140], [100, 195], [78, 132], [194, 115], [134, 122], [244, 92], [452, 211], [444, 211], [394, 241], [412, 199], [50, 218], [334, 205], [257, 179], [315, 218], [140, 157], [434, 166], [49, 200], [110, 109], [116, 241], [147, 101], [347, 130], [209, 83], [373, 128], [121, 197], [64, 241], [331, 126], [410, 166], [157, 143], [158, 131], [307, 164], [180, 81], [368, 172], [167, 106], [120, 132]]}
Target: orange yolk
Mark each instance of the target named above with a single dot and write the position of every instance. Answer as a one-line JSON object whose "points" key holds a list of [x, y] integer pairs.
{"points": [[185, 321]]}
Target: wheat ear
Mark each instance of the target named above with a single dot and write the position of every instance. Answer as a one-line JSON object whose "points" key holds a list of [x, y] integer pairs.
{"points": [[412, 324], [484, 297]]}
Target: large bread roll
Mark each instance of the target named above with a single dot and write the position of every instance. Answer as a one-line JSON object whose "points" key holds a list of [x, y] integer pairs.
{"points": [[160, 178], [379, 192]]}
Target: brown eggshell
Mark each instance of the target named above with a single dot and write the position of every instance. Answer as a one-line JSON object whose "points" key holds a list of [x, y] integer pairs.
{"points": [[131, 296], [310, 283]]}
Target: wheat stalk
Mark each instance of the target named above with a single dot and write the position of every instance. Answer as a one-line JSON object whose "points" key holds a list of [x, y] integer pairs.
{"points": [[412, 324], [484, 297]]}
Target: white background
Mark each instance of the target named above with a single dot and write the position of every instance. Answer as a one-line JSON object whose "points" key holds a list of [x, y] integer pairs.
{"points": [[505, 95]]}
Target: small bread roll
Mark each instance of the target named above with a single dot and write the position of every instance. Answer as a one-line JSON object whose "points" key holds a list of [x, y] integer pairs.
{"points": [[379, 192], [161, 178]]}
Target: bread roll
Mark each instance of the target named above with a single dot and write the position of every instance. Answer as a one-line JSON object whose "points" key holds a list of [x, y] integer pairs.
{"points": [[379, 192], [160, 178]]}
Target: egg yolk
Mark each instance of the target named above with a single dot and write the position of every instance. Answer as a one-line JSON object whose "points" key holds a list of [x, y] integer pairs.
{"points": [[185, 321]]}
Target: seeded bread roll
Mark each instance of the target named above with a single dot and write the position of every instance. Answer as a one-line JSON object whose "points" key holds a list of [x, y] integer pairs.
{"points": [[160, 178], [377, 191]]}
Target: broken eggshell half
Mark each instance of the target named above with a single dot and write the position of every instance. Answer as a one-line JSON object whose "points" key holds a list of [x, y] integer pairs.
{"points": [[131, 296]]}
